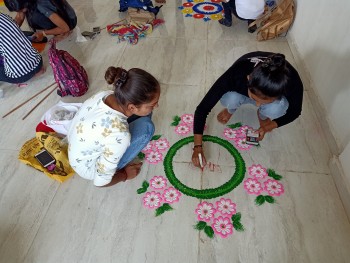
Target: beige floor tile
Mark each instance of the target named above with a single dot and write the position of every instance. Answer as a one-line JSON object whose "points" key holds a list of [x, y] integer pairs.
{"points": [[25, 197]]}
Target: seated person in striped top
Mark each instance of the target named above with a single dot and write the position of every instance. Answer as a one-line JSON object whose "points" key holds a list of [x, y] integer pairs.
{"points": [[19, 61]]}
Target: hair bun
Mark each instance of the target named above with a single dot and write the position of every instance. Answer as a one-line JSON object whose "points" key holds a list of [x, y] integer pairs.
{"points": [[113, 74], [276, 61]]}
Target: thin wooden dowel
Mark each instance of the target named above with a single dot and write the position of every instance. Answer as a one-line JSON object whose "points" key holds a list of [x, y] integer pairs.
{"points": [[28, 100], [38, 104]]}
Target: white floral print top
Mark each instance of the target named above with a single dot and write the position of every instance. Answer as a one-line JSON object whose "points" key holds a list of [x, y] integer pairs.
{"points": [[98, 137]]}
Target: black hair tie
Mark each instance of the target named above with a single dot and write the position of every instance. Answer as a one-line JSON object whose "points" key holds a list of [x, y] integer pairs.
{"points": [[267, 63], [122, 79]]}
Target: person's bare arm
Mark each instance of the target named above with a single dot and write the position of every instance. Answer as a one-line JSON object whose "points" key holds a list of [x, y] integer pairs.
{"points": [[61, 29], [19, 18]]}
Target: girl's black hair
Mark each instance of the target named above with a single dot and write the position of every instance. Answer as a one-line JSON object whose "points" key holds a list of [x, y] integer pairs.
{"points": [[270, 77], [135, 86], [17, 5]]}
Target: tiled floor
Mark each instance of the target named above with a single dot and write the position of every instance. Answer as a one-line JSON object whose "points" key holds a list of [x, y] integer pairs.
{"points": [[44, 221]]}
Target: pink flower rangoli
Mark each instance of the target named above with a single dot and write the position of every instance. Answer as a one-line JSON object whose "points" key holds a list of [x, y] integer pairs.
{"points": [[274, 188], [257, 171], [222, 226], [158, 182], [205, 211], [171, 195], [226, 206], [152, 200], [252, 186]]}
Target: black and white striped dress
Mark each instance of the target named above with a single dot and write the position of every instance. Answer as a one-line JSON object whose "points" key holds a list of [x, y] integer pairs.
{"points": [[19, 57]]}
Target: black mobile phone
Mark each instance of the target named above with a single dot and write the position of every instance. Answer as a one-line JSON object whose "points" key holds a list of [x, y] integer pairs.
{"points": [[45, 158], [31, 38]]}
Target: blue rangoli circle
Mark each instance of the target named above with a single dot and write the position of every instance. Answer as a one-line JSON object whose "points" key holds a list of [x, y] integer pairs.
{"points": [[199, 8]]}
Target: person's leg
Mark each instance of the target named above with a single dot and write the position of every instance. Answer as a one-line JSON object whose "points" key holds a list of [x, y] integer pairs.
{"points": [[249, 21], [141, 130], [227, 20], [273, 110], [253, 28], [232, 101]]}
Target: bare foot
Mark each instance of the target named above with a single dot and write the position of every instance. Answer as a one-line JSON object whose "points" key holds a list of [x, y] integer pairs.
{"points": [[132, 170], [224, 116]]}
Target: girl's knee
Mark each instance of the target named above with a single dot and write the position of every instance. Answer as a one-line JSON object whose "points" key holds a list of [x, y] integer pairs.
{"points": [[149, 125], [231, 100], [275, 110], [142, 127]]}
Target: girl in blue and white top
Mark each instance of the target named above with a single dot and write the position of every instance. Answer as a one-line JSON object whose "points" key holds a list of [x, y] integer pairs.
{"points": [[19, 61], [112, 127]]}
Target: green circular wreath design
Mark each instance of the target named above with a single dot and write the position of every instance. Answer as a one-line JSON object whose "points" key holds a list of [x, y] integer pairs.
{"points": [[209, 193]]}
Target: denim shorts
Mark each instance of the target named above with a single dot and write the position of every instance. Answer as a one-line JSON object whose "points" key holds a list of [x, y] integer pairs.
{"points": [[274, 110]]}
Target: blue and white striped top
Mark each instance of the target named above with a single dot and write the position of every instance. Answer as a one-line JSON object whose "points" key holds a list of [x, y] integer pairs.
{"points": [[19, 56]]}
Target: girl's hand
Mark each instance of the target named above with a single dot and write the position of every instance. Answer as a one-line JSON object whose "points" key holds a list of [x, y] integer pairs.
{"points": [[62, 36], [267, 127], [261, 133], [195, 157], [37, 37]]}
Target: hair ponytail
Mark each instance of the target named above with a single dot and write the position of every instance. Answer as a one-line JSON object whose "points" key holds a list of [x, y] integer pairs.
{"points": [[135, 86], [270, 77]]}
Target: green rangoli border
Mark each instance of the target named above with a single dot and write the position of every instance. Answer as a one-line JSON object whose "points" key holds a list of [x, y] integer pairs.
{"points": [[209, 193]]}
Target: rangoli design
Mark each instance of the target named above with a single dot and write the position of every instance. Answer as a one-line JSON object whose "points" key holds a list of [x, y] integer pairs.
{"points": [[153, 152], [220, 217], [200, 9]]}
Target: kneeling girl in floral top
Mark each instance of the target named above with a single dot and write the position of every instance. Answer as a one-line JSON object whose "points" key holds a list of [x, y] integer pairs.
{"points": [[112, 127]]}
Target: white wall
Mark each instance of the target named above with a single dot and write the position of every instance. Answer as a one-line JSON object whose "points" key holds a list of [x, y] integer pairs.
{"points": [[321, 33], [321, 37]]}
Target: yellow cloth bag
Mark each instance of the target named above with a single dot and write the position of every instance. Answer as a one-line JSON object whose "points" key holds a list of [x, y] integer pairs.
{"points": [[63, 171]]}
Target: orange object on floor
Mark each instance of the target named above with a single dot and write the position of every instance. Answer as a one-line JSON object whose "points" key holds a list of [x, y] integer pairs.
{"points": [[2, 2], [39, 46]]}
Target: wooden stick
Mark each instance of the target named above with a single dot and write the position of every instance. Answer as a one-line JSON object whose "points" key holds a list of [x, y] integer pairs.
{"points": [[38, 103], [28, 100]]}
